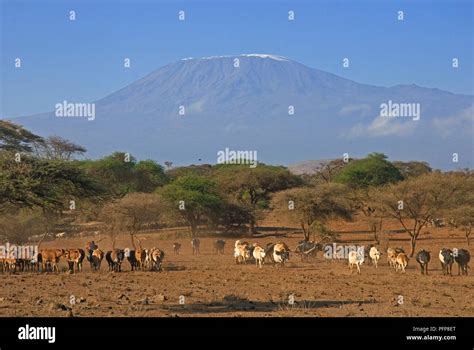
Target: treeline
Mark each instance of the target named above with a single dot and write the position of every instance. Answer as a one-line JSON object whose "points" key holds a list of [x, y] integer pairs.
{"points": [[43, 188]]}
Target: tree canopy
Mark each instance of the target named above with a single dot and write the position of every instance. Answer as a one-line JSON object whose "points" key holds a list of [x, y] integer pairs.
{"points": [[14, 137], [252, 187], [374, 170]]}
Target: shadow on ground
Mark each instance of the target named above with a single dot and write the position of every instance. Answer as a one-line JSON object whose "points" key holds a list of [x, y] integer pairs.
{"points": [[233, 304]]}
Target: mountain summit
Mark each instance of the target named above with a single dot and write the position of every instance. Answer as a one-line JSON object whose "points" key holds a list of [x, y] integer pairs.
{"points": [[286, 111]]}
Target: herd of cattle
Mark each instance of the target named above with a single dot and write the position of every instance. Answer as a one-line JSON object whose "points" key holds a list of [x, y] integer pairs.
{"points": [[275, 254], [398, 259], [48, 259]]}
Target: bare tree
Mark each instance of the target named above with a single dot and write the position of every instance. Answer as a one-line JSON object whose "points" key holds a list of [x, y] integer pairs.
{"points": [[461, 215], [414, 202], [327, 170], [363, 200], [131, 214]]}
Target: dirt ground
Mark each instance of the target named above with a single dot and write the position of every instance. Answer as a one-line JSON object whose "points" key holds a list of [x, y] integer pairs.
{"points": [[213, 285]]}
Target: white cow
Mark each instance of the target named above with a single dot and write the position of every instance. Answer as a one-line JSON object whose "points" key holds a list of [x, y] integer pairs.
{"points": [[374, 255], [355, 259], [259, 255]]}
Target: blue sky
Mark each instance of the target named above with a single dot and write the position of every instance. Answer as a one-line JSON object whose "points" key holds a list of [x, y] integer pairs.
{"points": [[83, 60]]}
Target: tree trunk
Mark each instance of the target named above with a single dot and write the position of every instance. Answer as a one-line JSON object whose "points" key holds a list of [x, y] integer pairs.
{"points": [[252, 227], [373, 228], [412, 244], [376, 236], [379, 231], [305, 233], [193, 229], [468, 233]]}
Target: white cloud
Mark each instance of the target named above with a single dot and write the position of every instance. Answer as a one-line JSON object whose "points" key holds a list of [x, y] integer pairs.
{"points": [[461, 123], [383, 126], [362, 109]]}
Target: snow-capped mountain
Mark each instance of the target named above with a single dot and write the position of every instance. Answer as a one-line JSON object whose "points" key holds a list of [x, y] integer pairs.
{"points": [[286, 111]]}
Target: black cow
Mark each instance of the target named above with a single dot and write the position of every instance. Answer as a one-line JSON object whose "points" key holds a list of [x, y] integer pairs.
{"points": [[132, 260], [423, 258], [307, 249], [462, 258], [108, 257], [219, 246]]}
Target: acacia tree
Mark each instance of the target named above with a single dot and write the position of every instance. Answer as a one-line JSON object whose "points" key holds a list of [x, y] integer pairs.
{"points": [[461, 215], [194, 198], [363, 200], [131, 214], [121, 173], [46, 184], [14, 137], [412, 168], [414, 202], [56, 147], [326, 171], [310, 207], [252, 187], [374, 170], [463, 218]]}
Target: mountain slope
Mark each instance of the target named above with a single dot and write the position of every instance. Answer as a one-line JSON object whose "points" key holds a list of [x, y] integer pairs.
{"points": [[246, 108]]}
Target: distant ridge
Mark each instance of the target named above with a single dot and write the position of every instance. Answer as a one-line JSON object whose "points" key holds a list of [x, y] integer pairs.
{"points": [[192, 108]]}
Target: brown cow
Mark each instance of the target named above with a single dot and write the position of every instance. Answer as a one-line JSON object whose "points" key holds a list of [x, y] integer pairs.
{"points": [[140, 257], [51, 256], [401, 262], [7, 264], [116, 258], [176, 247], [74, 257], [156, 257]]}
